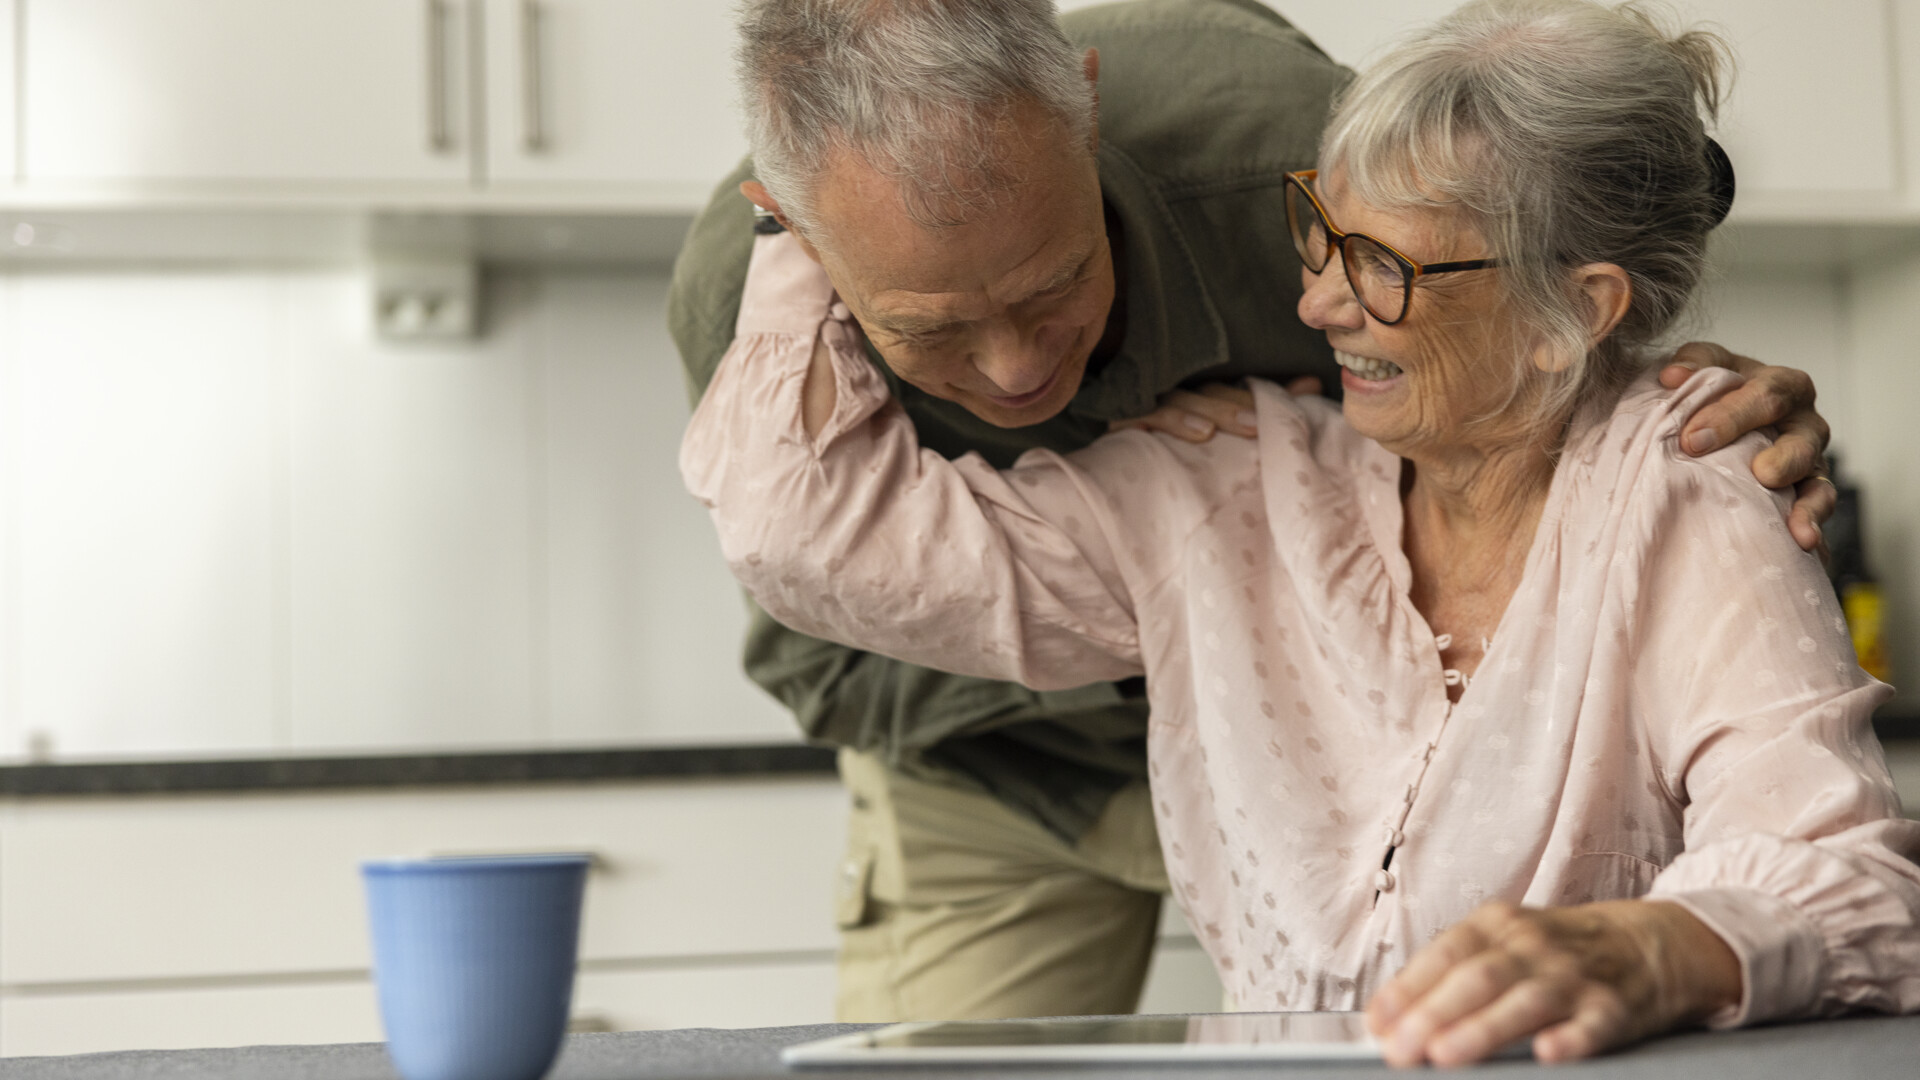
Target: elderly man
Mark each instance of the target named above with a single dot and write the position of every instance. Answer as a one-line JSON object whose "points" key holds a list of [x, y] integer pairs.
{"points": [[1043, 228]]}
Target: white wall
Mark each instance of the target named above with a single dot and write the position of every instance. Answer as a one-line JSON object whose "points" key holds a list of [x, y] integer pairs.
{"points": [[232, 522]]}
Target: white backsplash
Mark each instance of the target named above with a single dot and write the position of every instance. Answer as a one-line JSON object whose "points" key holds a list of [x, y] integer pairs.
{"points": [[232, 522]]}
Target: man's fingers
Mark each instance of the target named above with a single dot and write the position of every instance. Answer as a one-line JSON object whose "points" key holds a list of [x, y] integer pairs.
{"points": [[1692, 357], [1740, 410], [1228, 408], [1798, 453], [1814, 502], [1525, 1008], [1176, 422]]}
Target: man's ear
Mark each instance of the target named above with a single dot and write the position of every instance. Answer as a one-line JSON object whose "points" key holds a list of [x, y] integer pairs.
{"points": [[1604, 293], [758, 195], [1090, 63]]}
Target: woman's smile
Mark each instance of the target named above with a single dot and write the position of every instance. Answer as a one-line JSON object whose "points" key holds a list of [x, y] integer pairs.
{"points": [[1366, 370]]}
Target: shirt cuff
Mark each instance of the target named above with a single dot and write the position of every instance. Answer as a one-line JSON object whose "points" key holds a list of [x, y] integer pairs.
{"points": [[1781, 953]]}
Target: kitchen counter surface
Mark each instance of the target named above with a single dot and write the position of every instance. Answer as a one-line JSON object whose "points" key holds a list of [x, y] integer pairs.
{"points": [[413, 770], [1855, 1049]]}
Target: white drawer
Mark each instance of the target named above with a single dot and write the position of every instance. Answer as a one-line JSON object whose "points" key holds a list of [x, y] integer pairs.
{"points": [[98, 890], [726, 995]]}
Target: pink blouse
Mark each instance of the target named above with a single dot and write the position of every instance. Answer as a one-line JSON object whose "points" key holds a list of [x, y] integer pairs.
{"points": [[1670, 707]]}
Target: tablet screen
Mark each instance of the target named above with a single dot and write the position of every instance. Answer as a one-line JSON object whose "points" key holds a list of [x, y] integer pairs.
{"points": [[1238, 1029]]}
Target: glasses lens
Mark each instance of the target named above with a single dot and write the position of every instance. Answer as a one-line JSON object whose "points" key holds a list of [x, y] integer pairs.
{"points": [[1379, 279], [1309, 231]]}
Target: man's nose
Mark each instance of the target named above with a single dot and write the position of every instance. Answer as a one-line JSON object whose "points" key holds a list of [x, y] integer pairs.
{"points": [[1015, 360], [1327, 299]]}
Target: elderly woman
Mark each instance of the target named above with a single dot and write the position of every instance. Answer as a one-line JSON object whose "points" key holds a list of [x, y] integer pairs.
{"points": [[1475, 678]]}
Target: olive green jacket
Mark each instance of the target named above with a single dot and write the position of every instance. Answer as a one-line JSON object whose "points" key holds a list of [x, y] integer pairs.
{"points": [[1204, 105]]}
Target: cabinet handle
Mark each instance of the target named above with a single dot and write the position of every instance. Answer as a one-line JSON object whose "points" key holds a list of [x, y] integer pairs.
{"points": [[439, 138], [533, 111]]}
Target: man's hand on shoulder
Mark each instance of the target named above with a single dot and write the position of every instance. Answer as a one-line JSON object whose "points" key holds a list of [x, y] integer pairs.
{"points": [[1196, 415], [1777, 397]]}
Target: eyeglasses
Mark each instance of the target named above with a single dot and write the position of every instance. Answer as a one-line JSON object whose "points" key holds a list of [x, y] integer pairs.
{"points": [[1381, 277]]}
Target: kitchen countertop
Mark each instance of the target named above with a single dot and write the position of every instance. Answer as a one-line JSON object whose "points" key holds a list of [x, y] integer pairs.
{"points": [[1867, 1048], [414, 770]]}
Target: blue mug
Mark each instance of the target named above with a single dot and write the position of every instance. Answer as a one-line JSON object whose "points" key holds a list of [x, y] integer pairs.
{"points": [[474, 961]]}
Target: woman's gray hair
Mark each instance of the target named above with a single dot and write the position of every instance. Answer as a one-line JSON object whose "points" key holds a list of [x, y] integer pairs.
{"points": [[1569, 133], [923, 90]]}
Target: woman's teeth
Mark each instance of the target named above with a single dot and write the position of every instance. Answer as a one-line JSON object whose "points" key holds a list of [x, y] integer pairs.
{"points": [[1366, 367]]}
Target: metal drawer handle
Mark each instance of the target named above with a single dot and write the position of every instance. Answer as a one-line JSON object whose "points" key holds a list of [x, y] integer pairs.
{"points": [[533, 108], [439, 135]]}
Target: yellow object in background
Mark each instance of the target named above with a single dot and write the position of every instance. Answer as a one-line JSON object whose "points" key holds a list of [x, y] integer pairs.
{"points": [[1862, 603]]}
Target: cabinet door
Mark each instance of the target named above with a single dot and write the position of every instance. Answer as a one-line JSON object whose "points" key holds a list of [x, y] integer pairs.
{"points": [[637, 93], [8, 113], [1812, 103], [1811, 110], [240, 90]]}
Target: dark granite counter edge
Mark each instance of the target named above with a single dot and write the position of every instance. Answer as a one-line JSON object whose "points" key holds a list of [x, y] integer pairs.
{"points": [[415, 770]]}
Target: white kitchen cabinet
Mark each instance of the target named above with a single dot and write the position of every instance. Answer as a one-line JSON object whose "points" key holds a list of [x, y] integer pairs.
{"points": [[181, 921], [1812, 109], [637, 93], [241, 91], [196, 887], [8, 100], [346, 1011]]}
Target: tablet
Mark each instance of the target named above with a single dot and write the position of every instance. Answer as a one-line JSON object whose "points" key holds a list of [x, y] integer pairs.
{"points": [[1225, 1037]]}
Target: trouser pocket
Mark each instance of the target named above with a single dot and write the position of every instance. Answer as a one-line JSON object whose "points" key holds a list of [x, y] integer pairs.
{"points": [[852, 889]]}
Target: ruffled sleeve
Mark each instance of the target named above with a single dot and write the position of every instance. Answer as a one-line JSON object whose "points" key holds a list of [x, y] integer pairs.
{"points": [[1796, 853], [859, 535]]}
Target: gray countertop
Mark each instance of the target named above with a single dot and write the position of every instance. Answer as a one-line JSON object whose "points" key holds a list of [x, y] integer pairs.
{"points": [[1868, 1048], [414, 770]]}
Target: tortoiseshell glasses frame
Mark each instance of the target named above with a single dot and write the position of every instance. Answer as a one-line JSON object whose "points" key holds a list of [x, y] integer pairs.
{"points": [[1381, 275]]}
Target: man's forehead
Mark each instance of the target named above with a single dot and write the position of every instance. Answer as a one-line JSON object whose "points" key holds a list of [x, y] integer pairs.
{"points": [[1017, 241]]}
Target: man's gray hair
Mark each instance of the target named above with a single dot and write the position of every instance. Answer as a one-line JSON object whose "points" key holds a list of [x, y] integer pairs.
{"points": [[923, 90], [1569, 133]]}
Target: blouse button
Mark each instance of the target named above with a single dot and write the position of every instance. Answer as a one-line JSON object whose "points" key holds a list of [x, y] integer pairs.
{"points": [[1383, 881], [1395, 837], [839, 312]]}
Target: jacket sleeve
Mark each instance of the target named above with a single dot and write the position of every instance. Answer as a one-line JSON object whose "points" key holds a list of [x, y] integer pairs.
{"points": [[841, 695], [1796, 853], [859, 535]]}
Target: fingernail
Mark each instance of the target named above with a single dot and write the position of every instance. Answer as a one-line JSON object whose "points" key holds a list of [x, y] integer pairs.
{"points": [[1247, 418], [1702, 441], [1406, 1043], [1198, 426]]}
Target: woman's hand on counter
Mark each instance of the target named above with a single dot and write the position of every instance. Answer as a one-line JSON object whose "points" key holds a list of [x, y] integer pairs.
{"points": [[1579, 980]]}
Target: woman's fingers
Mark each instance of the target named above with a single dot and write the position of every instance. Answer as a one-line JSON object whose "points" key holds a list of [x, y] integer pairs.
{"points": [[1527, 1006], [1598, 1022], [1465, 990], [1428, 966]]}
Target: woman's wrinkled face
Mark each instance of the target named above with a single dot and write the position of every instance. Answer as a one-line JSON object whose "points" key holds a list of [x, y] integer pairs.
{"points": [[1453, 359]]}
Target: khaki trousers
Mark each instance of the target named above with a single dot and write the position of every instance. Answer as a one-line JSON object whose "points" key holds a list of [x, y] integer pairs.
{"points": [[952, 906]]}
